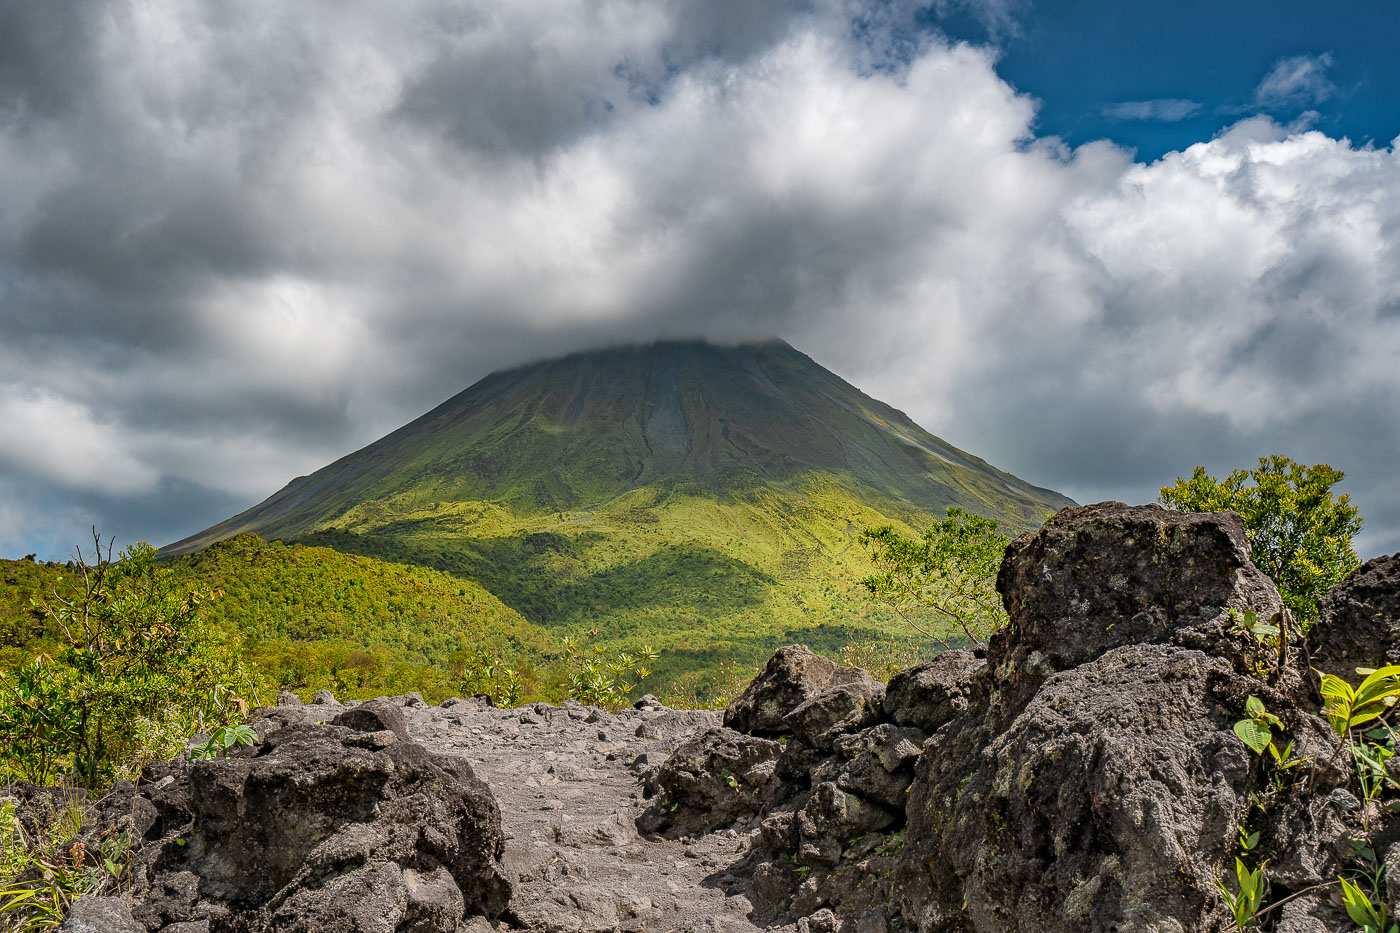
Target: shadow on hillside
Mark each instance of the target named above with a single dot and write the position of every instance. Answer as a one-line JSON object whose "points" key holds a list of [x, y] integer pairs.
{"points": [[556, 580]]}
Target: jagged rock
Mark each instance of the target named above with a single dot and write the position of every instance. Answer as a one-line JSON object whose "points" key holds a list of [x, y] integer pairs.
{"points": [[1106, 575], [378, 715], [324, 697], [893, 746], [331, 827], [929, 694], [100, 915], [1114, 798], [1358, 623], [288, 698], [830, 818], [866, 776], [648, 702], [792, 676], [711, 780], [836, 711]]}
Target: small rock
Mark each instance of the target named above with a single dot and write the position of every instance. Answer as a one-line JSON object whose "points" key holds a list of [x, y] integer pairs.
{"points": [[100, 915], [1345, 799], [324, 697], [288, 698]]}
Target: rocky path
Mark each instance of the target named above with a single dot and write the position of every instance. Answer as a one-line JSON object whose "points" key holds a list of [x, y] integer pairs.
{"points": [[566, 780]]}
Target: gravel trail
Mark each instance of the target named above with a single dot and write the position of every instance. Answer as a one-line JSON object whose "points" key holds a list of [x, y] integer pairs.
{"points": [[566, 780]]}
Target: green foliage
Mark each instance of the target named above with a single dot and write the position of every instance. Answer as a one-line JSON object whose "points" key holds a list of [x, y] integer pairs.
{"points": [[136, 670], [222, 739], [484, 673], [1244, 904], [1299, 532], [602, 679], [1256, 730], [1370, 916], [1271, 641], [950, 572], [40, 878], [1346, 707]]}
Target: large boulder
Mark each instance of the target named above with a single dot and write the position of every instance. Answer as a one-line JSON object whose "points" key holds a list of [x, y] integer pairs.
{"points": [[836, 711], [1094, 780], [792, 676], [329, 827], [1358, 623], [1113, 799], [1107, 575], [930, 694], [712, 779]]}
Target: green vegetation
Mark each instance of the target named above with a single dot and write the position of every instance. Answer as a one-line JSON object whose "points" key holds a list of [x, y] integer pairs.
{"points": [[1299, 533], [311, 617], [702, 499], [136, 670], [945, 581]]}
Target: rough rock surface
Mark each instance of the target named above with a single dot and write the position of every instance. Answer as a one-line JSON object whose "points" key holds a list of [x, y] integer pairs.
{"points": [[713, 779], [1107, 575], [347, 826], [1358, 623], [794, 675], [1084, 775]]}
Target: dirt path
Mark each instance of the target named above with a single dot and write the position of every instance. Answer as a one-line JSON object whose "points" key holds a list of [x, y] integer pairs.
{"points": [[566, 783]]}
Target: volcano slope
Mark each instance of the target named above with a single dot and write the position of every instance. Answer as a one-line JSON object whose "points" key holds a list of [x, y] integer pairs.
{"points": [[702, 499]]}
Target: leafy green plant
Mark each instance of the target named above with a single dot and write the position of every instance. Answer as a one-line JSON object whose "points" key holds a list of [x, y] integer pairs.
{"points": [[38, 720], [1299, 533], [605, 680], [1346, 707], [1271, 640], [944, 582], [43, 876], [1369, 915], [1256, 730], [222, 739], [484, 673], [1245, 903]]}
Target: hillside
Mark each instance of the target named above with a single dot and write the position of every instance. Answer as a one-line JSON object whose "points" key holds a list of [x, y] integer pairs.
{"points": [[706, 499], [310, 615]]}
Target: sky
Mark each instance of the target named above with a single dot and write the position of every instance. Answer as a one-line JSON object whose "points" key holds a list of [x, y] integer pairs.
{"points": [[1094, 243]]}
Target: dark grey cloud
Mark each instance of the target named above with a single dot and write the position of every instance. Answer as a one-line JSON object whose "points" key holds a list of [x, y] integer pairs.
{"points": [[237, 242]]}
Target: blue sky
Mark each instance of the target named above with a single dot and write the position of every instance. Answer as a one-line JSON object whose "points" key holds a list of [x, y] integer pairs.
{"points": [[1090, 61], [1094, 243]]}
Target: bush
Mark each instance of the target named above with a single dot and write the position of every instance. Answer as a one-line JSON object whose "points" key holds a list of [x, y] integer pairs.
{"points": [[944, 583], [1299, 533], [136, 673]]}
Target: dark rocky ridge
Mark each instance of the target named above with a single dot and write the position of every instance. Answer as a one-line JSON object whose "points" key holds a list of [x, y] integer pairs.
{"points": [[1082, 775]]}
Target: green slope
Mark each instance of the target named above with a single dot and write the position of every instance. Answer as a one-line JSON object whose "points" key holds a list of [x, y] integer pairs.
{"points": [[703, 498], [312, 617]]}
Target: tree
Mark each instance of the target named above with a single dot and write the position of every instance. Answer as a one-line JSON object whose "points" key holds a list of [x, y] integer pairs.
{"points": [[1299, 533], [945, 581]]}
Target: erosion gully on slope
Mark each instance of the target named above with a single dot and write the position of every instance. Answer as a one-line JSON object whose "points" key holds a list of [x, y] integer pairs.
{"points": [[566, 780]]}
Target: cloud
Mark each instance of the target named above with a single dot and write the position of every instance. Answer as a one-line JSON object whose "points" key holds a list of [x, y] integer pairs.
{"points": [[1300, 80], [236, 245], [1162, 110]]}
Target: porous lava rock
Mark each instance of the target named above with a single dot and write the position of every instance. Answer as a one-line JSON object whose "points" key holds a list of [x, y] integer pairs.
{"points": [[1358, 623], [1095, 781], [1106, 575], [711, 780], [347, 826], [928, 695], [794, 675]]}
